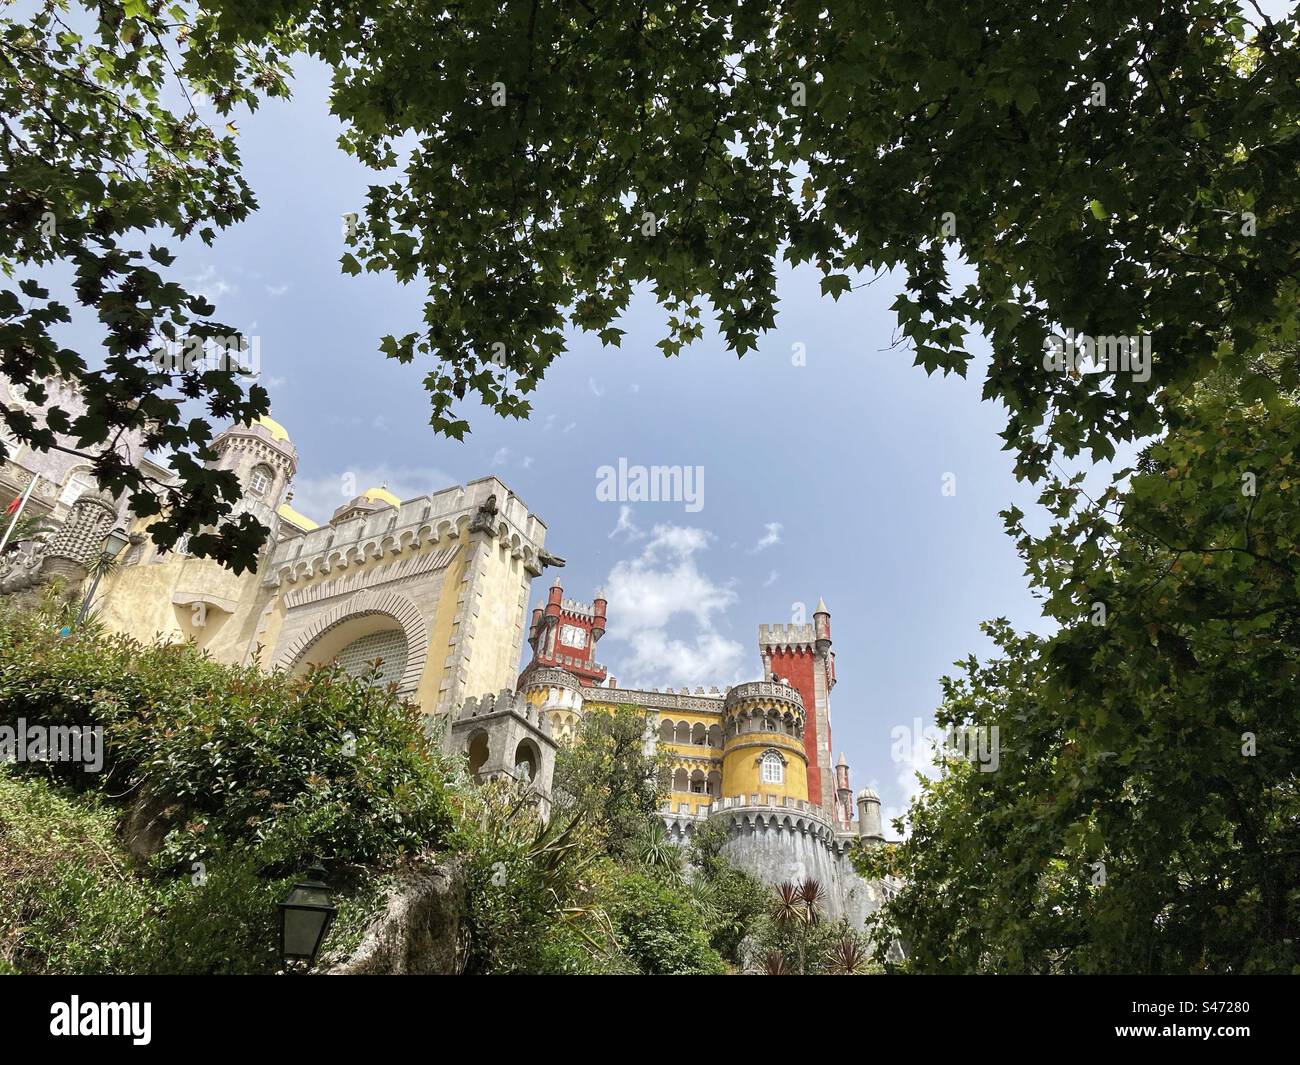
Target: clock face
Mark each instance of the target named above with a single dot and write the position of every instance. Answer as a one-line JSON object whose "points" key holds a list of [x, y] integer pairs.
{"points": [[573, 636]]}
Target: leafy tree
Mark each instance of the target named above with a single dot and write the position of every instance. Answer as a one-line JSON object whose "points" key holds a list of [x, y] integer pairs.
{"points": [[100, 172], [1144, 813], [658, 929], [734, 901], [1120, 167], [605, 775]]}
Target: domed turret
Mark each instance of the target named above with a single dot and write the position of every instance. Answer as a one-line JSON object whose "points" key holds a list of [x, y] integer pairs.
{"points": [[369, 501], [763, 750], [262, 455], [869, 827]]}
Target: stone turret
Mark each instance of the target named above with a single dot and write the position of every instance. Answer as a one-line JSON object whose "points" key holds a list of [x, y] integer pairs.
{"points": [[504, 736], [75, 549], [843, 794], [869, 827], [265, 460]]}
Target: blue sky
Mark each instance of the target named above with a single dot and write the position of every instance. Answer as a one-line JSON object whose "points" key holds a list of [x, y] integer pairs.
{"points": [[821, 479]]}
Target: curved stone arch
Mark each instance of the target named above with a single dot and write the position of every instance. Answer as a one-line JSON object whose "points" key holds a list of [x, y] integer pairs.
{"points": [[390, 604]]}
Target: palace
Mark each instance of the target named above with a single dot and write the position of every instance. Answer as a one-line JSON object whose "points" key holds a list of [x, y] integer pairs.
{"points": [[437, 588]]}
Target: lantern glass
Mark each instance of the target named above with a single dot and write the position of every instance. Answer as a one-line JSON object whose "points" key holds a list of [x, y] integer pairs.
{"points": [[305, 918], [117, 539]]}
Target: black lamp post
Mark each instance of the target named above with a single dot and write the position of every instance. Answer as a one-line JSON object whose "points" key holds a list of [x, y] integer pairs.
{"points": [[113, 544], [305, 918]]}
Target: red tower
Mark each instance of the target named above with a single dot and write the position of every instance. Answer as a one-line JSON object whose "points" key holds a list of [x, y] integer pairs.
{"points": [[563, 635], [802, 655]]}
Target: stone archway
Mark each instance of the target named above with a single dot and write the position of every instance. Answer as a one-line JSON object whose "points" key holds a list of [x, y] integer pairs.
{"points": [[404, 613]]}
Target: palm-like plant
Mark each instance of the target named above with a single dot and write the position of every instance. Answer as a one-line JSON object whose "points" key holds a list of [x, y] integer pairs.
{"points": [[796, 911], [848, 957], [659, 854], [775, 964]]}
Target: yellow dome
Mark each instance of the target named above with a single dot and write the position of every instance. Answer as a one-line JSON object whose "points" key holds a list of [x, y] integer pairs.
{"points": [[381, 495], [277, 431], [290, 515]]}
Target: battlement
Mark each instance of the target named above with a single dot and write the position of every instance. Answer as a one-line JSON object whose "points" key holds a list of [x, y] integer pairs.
{"points": [[505, 701], [578, 609], [776, 690], [787, 635], [434, 519]]}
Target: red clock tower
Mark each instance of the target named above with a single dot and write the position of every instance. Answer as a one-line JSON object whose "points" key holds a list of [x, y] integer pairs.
{"points": [[563, 635]]}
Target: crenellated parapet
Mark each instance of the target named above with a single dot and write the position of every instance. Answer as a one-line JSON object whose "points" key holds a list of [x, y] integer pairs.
{"points": [[504, 702], [775, 692], [786, 637], [437, 519]]}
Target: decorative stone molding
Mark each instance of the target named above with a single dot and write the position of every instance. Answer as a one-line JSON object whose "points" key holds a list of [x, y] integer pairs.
{"points": [[389, 603], [79, 543], [404, 570], [764, 691]]}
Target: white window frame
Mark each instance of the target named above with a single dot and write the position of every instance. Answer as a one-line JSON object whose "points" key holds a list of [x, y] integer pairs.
{"points": [[263, 472], [773, 768]]}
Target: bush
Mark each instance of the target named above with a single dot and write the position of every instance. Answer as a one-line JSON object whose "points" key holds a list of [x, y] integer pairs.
{"points": [[658, 929], [273, 767]]}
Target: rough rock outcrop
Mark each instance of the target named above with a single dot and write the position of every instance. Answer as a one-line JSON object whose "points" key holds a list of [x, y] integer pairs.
{"points": [[420, 933]]}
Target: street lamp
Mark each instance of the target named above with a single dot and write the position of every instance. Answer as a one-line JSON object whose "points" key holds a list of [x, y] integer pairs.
{"points": [[305, 918], [113, 544]]}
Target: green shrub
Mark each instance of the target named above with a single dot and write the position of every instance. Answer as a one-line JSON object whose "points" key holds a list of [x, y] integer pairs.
{"points": [[275, 767], [68, 900], [658, 928]]}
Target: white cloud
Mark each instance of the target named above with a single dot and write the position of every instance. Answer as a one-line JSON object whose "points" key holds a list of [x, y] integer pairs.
{"points": [[319, 497], [662, 586], [626, 526], [277, 290], [570, 427], [501, 456], [771, 579], [912, 751], [210, 284], [770, 538], [596, 390]]}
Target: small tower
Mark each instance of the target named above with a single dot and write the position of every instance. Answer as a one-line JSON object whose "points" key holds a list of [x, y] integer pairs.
{"points": [[265, 460], [822, 627], [504, 736], [564, 633], [869, 828], [843, 794]]}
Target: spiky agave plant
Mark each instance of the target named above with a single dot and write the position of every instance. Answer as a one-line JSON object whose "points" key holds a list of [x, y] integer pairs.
{"points": [[659, 854], [775, 964], [848, 957]]}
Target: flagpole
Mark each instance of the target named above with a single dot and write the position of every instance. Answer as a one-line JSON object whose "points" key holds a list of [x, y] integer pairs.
{"points": [[19, 512]]}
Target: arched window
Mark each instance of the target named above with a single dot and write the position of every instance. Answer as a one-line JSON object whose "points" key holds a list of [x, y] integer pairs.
{"points": [[773, 768], [259, 481], [388, 647], [78, 483]]}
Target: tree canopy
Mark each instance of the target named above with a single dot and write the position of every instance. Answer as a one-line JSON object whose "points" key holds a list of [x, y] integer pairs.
{"points": [[1117, 168], [1143, 815]]}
